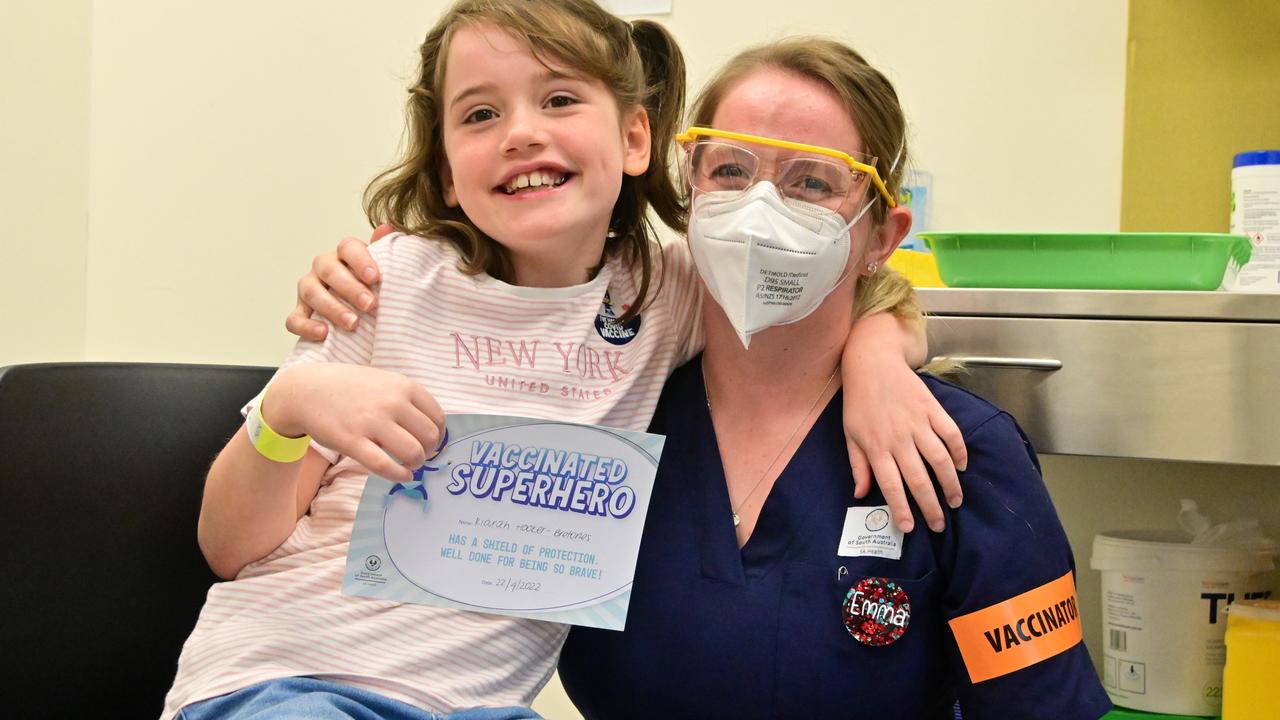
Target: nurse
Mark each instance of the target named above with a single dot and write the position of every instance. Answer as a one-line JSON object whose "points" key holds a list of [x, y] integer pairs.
{"points": [[764, 589]]}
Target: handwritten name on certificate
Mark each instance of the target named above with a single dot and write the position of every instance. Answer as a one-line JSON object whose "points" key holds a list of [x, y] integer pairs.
{"points": [[516, 516]]}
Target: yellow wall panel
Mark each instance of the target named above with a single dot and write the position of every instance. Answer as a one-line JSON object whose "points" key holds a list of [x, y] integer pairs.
{"points": [[1203, 84]]}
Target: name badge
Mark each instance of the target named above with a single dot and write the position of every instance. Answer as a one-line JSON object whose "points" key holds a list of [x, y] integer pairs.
{"points": [[868, 533]]}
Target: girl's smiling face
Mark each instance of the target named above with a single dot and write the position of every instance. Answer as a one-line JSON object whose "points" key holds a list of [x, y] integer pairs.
{"points": [[536, 153]]}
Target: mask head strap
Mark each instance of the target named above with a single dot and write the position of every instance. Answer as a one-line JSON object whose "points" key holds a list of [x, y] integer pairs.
{"points": [[892, 166]]}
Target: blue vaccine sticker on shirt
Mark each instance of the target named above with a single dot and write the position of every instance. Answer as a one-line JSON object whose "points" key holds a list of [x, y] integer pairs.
{"points": [[614, 332]]}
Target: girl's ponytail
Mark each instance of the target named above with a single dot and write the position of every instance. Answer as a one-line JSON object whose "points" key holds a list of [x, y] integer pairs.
{"points": [[664, 101], [656, 62]]}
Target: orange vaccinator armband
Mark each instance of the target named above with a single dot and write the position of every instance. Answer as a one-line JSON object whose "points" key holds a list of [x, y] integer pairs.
{"points": [[1020, 631]]}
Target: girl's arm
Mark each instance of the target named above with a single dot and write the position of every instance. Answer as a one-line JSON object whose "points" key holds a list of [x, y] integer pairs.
{"points": [[893, 424], [252, 504]]}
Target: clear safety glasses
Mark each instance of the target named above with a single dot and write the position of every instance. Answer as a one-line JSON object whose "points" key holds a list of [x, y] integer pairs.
{"points": [[720, 160]]}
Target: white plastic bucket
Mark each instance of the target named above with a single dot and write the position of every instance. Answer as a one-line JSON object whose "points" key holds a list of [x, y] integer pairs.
{"points": [[1162, 617]]}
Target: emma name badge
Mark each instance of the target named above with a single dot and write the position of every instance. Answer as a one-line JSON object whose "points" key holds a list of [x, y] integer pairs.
{"points": [[516, 516]]}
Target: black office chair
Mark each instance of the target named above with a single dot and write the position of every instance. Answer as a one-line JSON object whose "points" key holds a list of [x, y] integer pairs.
{"points": [[101, 471]]}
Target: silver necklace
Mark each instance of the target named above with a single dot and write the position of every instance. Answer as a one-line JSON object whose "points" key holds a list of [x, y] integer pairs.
{"points": [[706, 390]]}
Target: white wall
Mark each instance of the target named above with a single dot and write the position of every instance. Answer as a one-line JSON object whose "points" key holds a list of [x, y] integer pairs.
{"points": [[44, 194], [230, 142]]}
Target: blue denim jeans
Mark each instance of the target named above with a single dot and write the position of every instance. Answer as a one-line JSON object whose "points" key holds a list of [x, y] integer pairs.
{"points": [[304, 698]]}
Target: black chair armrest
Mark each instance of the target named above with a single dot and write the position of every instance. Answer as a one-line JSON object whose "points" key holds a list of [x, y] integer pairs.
{"points": [[103, 469]]}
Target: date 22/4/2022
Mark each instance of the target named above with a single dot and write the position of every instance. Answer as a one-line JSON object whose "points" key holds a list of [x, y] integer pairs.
{"points": [[513, 585]]}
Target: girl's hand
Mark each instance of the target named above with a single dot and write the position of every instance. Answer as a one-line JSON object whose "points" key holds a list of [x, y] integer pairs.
{"points": [[893, 425], [337, 283], [383, 420]]}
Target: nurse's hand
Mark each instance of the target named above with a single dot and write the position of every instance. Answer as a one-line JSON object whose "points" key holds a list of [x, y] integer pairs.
{"points": [[338, 282], [894, 426]]}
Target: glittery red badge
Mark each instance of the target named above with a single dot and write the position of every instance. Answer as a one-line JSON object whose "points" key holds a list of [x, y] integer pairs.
{"points": [[877, 611]]}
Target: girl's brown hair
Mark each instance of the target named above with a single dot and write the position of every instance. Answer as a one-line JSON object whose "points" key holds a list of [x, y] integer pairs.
{"points": [[639, 62], [867, 95]]}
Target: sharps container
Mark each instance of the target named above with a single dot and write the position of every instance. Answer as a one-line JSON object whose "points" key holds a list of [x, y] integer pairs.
{"points": [[1162, 617], [1255, 213], [1251, 682]]}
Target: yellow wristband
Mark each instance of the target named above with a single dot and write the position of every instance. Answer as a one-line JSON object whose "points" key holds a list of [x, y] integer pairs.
{"points": [[271, 444]]}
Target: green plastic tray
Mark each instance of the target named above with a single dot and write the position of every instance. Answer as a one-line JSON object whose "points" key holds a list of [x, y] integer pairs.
{"points": [[1115, 261]]}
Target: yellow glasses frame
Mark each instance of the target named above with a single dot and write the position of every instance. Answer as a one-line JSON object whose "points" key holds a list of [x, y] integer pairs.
{"points": [[693, 133]]}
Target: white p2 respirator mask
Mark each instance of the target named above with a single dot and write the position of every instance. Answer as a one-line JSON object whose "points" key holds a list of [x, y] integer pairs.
{"points": [[767, 260]]}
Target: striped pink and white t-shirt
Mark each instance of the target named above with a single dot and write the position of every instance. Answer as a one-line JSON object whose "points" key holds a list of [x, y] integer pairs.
{"points": [[478, 345]]}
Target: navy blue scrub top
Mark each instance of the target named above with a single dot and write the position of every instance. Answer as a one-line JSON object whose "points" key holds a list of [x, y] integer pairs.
{"points": [[715, 632]]}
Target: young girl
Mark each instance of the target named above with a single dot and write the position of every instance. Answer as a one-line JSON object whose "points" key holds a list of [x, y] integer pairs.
{"points": [[530, 167]]}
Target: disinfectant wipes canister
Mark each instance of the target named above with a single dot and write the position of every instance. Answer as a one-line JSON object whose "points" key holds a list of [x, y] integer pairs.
{"points": [[1255, 213]]}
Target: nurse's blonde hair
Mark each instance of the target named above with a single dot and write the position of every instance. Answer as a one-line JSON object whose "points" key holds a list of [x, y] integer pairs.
{"points": [[889, 291]]}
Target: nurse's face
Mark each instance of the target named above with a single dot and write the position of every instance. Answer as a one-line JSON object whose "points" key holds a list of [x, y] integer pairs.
{"points": [[785, 105]]}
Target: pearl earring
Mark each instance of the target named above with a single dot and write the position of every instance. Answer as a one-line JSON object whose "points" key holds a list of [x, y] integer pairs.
{"points": [[872, 267]]}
